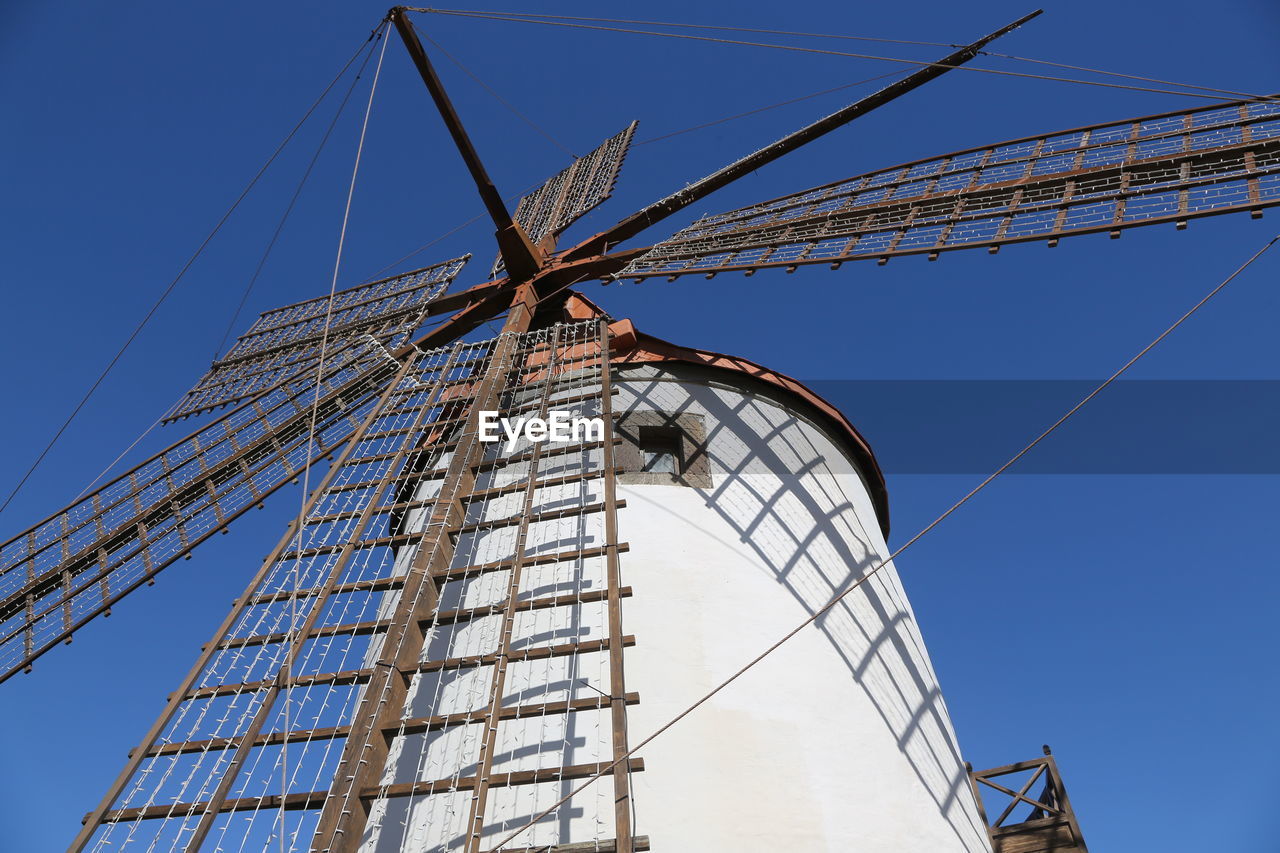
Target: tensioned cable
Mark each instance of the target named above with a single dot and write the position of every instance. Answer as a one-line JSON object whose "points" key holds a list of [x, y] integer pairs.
{"points": [[845, 37], [284, 218], [825, 52], [285, 670], [253, 279], [693, 26], [836, 599], [182, 272], [473, 220], [705, 125], [524, 118], [1234, 94], [512, 198], [125, 452], [708, 124]]}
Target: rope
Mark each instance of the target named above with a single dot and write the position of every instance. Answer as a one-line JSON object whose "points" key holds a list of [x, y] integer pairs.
{"points": [[472, 221], [124, 453], [704, 27], [705, 125], [845, 37], [286, 669], [257, 271], [253, 280], [825, 52], [174, 283], [499, 98], [1234, 94], [871, 573]]}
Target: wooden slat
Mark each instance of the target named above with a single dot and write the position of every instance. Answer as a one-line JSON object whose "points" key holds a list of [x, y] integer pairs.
{"points": [[535, 518], [357, 676], [497, 780], [270, 739], [418, 725], [291, 802], [532, 560], [536, 653], [639, 843], [449, 616]]}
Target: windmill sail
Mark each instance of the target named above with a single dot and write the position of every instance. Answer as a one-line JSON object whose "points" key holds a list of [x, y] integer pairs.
{"points": [[1163, 168], [574, 191], [286, 341], [444, 599], [73, 566]]}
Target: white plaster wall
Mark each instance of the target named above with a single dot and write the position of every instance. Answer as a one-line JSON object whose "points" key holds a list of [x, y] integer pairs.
{"points": [[838, 741]]}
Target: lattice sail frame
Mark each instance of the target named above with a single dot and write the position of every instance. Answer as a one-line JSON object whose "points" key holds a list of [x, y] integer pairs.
{"points": [[68, 569], [574, 191], [286, 341], [411, 632], [1164, 168]]}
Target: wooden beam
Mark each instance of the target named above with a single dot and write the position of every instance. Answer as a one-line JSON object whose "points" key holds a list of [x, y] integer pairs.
{"points": [[661, 209]]}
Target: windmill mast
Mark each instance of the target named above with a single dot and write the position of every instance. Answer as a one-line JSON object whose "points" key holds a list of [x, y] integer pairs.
{"points": [[521, 257], [526, 263]]}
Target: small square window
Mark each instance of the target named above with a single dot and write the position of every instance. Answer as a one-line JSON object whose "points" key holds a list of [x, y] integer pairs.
{"points": [[660, 455], [663, 449]]}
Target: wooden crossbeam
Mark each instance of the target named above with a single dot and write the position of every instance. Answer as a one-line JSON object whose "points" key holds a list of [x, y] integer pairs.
{"points": [[444, 617], [497, 780], [315, 799], [549, 515], [395, 582], [358, 676], [639, 843], [558, 450], [447, 617], [529, 560], [271, 739], [535, 653], [418, 725], [289, 802], [542, 483]]}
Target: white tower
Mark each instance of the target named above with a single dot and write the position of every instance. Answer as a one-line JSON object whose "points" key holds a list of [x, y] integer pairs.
{"points": [[745, 502], [838, 741]]}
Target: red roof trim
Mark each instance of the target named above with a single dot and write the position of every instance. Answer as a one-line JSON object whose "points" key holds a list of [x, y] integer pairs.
{"points": [[630, 346]]}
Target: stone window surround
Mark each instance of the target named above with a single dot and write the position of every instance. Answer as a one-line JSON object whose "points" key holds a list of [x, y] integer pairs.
{"points": [[694, 462]]}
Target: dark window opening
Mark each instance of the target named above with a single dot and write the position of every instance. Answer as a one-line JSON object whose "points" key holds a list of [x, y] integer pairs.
{"points": [[659, 452], [663, 449]]}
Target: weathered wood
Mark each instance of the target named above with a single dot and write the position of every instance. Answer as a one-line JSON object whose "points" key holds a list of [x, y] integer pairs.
{"points": [[496, 780], [418, 725], [1054, 830], [617, 681]]}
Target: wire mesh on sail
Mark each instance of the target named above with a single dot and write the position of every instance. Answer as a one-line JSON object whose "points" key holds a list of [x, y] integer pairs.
{"points": [[572, 192], [433, 653], [1165, 168], [74, 565], [286, 341]]}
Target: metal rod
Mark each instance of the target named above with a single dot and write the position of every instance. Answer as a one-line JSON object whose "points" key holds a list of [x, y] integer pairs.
{"points": [[659, 210]]}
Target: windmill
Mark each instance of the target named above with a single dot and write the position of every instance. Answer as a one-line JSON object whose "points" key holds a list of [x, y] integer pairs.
{"points": [[400, 543]]}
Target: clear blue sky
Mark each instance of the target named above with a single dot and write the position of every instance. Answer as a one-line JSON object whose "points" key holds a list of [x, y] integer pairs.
{"points": [[1127, 620]]}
